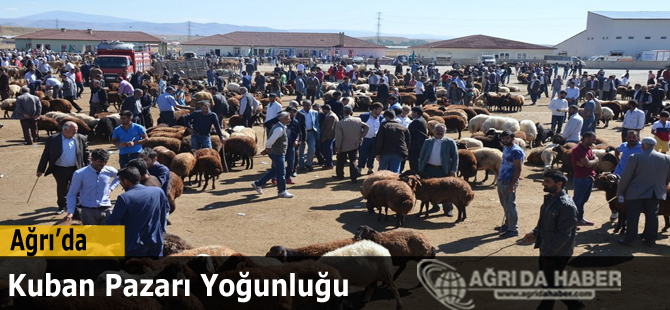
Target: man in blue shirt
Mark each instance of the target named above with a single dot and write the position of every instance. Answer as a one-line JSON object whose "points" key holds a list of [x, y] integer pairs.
{"points": [[129, 138], [589, 114], [508, 181], [92, 184], [201, 126], [623, 152], [143, 211], [160, 171], [167, 105], [345, 88]]}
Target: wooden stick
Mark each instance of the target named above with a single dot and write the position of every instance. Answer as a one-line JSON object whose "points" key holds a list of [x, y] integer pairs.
{"points": [[31, 191]]}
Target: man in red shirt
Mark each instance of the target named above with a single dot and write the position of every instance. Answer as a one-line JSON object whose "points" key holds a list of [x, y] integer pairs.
{"points": [[584, 164]]}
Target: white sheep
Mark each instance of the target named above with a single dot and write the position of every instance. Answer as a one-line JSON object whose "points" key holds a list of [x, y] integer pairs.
{"points": [[363, 87], [58, 116], [363, 264], [233, 87], [500, 123], [528, 127], [241, 130], [488, 159], [513, 88], [548, 156], [476, 123], [441, 92], [520, 142], [89, 120], [470, 142], [606, 116], [14, 90], [503, 89]]}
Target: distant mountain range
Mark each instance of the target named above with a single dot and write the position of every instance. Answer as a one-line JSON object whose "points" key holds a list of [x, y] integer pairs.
{"points": [[73, 20]]}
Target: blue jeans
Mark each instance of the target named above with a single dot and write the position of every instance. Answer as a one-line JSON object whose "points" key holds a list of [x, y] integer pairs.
{"points": [[582, 193], [508, 202], [278, 171], [125, 158], [391, 162], [555, 92], [199, 141], [366, 154], [557, 120], [327, 151], [290, 160], [311, 145], [534, 96], [588, 124]]}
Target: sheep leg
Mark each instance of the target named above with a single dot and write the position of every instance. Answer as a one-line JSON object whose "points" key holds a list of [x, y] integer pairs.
{"points": [[368, 291], [213, 178], [459, 134], [389, 283], [486, 176], [401, 268], [206, 181], [386, 218], [667, 223]]}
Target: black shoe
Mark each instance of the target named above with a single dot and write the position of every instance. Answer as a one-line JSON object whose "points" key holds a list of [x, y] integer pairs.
{"points": [[338, 177], [648, 243], [310, 168], [435, 208], [27, 143], [624, 242]]}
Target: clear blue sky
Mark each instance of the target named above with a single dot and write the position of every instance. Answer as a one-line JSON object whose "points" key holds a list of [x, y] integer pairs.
{"points": [[540, 22]]}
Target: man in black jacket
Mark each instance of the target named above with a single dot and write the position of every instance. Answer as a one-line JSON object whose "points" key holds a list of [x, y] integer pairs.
{"points": [[392, 142], [98, 99], [418, 132], [335, 104], [555, 233], [147, 103], [134, 104], [382, 92], [63, 162]]}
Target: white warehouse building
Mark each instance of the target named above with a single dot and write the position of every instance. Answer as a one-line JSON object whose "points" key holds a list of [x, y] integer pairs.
{"points": [[619, 34]]}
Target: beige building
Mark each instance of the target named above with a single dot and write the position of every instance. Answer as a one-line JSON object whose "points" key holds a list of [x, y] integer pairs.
{"points": [[80, 41], [470, 49]]}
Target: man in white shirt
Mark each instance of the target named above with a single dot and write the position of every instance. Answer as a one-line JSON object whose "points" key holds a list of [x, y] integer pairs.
{"points": [[248, 106], [634, 120], [309, 119], [572, 93], [32, 81], [300, 67], [55, 85], [366, 154], [419, 88], [558, 107], [273, 109], [276, 147], [573, 128]]}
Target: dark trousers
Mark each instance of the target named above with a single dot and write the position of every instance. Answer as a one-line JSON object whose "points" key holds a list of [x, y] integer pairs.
{"points": [[290, 160], [633, 209], [414, 159], [437, 172], [298, 96], [63, 176], [549, 265], [74, 104], [311, 95], [80, 89], [125, 158], [29, 127], [327, 152], [367, 154], [420, 99], [167, 117], [148, 119], [342, 158]]}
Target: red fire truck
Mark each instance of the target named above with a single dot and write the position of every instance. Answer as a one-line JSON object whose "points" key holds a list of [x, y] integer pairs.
{"points": [[116, 57]]}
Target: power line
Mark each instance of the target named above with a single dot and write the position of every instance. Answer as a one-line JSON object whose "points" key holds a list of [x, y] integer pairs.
{"points": [[379, 28], [57, 27]]}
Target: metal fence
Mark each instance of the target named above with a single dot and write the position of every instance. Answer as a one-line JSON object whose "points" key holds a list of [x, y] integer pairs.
{"points": [[192, 68]]}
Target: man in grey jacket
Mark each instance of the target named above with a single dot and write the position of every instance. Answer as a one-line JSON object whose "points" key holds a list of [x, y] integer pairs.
{"points": [[349, 134], [28, 109], [643, 184], [70, 90], [555, 233]]}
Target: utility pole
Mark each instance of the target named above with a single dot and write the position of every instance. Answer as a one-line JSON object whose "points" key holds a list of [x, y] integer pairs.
{"points": [[379, 28], [189, 30], [57, 27]]}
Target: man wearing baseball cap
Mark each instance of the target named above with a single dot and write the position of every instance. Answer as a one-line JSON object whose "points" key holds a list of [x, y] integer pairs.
{"points": [[167, 105]]}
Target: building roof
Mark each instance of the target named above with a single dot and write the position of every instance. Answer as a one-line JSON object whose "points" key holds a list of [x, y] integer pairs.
{"points": [[634, 14], [282, 39], [95, 35], [483, 42]]}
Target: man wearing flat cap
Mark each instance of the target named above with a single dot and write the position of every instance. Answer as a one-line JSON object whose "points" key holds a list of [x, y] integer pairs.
{"points": [[643, 185]]}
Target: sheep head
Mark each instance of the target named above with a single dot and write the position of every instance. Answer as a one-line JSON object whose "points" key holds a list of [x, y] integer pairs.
{"points": [[279, 252], [365, 232]]}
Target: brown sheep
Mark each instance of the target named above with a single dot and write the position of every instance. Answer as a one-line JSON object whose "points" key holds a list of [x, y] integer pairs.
{"points": [[455, 122], [377, 176], [616, 108], [165, 156], [313, 251], [467, 164], [183, 164], [235, 120], [469, 112], [171, 144], [47, 124], [83, 128], [521, 135], [480, 111], [404, 245], [393, 194], [535, 157], [173, 244], [60, 105], [408, 99], [609, 183], [175, 190], [209, 167], [243, 147], [442, 190], [46, 106], [166, 134], [458, 112]]}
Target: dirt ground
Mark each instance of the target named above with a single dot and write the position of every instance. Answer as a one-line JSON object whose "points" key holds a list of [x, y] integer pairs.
{"points": [[323, 209]]}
